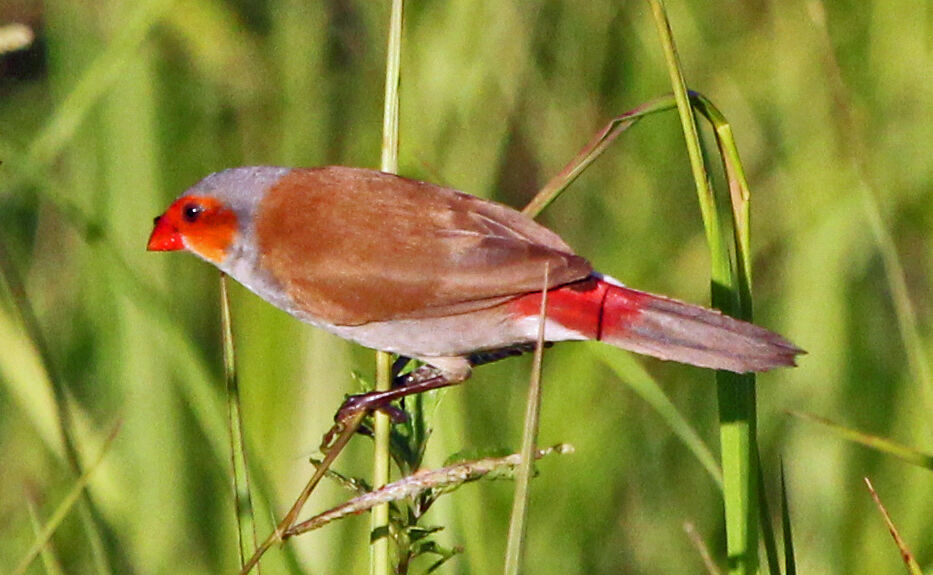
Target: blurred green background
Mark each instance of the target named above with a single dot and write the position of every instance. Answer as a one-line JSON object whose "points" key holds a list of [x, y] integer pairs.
{"points": [[119, 106]]}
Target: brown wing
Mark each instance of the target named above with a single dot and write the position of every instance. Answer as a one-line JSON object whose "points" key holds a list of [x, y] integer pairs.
{"points": [[353, 246]]}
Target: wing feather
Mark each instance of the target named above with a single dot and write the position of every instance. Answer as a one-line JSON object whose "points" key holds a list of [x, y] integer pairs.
{"points": [[353, 246]]}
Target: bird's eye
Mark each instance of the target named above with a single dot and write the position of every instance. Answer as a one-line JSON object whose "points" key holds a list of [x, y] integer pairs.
{"points": [[191, 212], [155, 220]]}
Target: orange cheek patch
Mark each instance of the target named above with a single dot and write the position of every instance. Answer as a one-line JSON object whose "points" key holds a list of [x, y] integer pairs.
{"points": [[211, 235]]}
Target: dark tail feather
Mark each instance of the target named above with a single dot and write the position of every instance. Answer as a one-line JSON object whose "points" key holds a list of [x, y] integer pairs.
{"points": [[673, 330]]}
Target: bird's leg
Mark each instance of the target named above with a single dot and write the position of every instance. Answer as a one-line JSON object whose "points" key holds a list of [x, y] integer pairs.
{"points": [[397, 366], [491, 355], [425, 378], [395, 414]]}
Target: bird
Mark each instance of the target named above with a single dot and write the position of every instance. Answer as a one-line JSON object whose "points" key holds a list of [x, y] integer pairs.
{"points": [[434, 274]]}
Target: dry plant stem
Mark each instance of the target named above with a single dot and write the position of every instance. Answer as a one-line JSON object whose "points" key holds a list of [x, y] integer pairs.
{"points": [[516, 539], [600, 141], [701, 548], [379, 550], [913, 568], [412, 485], [596, 146], [738, 186], [735, 393], [242, 501], [342, 431]]}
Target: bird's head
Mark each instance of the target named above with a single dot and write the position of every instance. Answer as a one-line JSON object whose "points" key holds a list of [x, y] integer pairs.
{"points": [[213, 219], [203, 225]]}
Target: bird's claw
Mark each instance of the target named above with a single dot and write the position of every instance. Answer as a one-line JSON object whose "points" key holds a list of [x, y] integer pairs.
{"points": [[355, 404]]}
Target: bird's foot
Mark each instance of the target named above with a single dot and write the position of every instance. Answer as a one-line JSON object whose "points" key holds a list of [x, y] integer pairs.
{"points": [[422, 379], [365, 402]]}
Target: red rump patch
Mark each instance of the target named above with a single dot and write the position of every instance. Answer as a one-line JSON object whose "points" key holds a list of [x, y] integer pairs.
{"points": [[592, 307]]}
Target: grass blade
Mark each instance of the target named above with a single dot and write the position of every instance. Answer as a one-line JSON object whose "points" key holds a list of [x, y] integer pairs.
{"points": [[516, 539], [735, 393], [242, 501], [98, 530], [898, 450], [790, 562], [767, 529], [45, 533], [592, 151], [96, 80], [49, 561], [630, 371], [913, 568]]}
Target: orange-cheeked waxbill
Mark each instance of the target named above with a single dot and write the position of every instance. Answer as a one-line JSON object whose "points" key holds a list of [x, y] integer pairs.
{"points": [[432, 273]]}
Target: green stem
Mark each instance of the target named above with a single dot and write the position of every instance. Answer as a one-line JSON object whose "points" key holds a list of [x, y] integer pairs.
{"points": [[735, 393], [382, 426]]}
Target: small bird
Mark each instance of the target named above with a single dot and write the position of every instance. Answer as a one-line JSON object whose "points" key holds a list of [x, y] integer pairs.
{"points": [[432, 273]]}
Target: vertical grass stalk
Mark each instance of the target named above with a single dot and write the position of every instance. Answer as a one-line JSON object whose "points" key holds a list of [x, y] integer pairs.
{"points": [[735, 393], [513, 554], [379, 564], [242, 501]]}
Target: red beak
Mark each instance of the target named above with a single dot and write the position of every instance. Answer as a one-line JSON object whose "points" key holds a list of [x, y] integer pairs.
{"points": [[165, 237]]}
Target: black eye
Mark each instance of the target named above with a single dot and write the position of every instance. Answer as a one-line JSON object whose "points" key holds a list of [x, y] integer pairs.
{"points": [[155, 220], [191, 212]]}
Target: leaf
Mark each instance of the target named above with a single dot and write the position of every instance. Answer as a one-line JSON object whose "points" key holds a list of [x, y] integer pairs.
{"points": [[900, 451], [790, 563]]}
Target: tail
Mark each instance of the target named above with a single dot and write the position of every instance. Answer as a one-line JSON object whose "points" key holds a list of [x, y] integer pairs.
{"points": [[601, 309]]}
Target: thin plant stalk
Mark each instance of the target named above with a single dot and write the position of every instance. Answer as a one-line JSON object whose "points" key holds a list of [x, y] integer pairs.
{"points": [[913, 568], [50, 562], [772, 561], [379, 556], [97, 528], [702, 549], [880, 444], [857, 148], [593, 150], [444, 479], [344, 431], [242, 501], [790, 561], [73, 496], [96, 80], [735, 393], [644, 385], [518, 521]]}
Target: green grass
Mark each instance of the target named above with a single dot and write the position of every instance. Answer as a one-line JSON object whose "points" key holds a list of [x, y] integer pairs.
{"points": [[136, 101]]}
